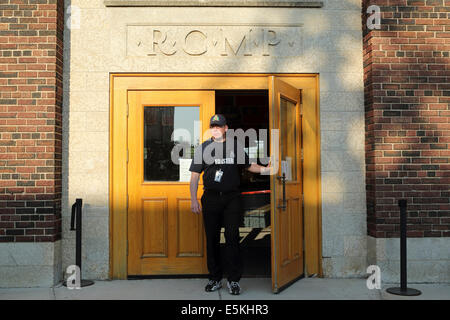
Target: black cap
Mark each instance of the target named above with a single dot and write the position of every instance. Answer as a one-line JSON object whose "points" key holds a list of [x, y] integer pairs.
{"points": [[218, 119]]}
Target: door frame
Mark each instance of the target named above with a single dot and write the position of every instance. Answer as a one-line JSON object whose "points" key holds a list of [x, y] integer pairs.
{"points": [[121, 83]]}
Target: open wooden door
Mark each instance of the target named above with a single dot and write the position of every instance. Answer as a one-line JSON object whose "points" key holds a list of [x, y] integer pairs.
{"points": [[286, 184], [164, 236]]}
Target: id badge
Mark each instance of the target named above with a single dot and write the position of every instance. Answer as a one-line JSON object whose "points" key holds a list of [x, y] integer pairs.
{"points": [[218, 176]]}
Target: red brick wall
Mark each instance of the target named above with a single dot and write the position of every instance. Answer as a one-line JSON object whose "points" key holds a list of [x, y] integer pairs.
{"points": [[31, 60], [407, 95]]}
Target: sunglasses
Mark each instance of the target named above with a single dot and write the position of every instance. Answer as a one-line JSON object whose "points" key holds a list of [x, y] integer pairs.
{"points": [[216, 126]]}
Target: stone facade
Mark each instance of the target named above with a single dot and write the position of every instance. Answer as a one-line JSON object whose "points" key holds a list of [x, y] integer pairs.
{"points": [[428, 259], [30, 264], [331, 43]]}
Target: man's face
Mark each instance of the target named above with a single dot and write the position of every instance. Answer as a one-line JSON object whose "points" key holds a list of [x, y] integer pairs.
{"points": [[218, 131]]}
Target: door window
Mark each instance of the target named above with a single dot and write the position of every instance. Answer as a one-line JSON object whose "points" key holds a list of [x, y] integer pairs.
{"points": [[169, 128], [288, 132]]}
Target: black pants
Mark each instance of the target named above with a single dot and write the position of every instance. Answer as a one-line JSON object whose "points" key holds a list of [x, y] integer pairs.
{"points": [[227, 209]]}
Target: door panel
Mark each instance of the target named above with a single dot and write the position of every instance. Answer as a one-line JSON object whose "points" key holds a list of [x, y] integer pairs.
{"points": [[154, 227], [286, 201], [190, 231], [164, 236]]}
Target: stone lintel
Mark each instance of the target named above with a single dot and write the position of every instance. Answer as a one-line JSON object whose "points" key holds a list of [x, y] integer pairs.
{"points": [[214, 3]]}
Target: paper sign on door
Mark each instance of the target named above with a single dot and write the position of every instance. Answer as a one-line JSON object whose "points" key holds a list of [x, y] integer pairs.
{"points": [[185, 174], [286, 168]]}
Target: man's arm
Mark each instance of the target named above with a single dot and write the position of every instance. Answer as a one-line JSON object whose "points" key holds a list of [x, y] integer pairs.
{"points": [[252, 167], [256, 168], [195, 206]]}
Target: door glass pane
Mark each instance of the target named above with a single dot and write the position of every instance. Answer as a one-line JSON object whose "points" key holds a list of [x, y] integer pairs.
{"points": [[159, 125], [288, 135]]}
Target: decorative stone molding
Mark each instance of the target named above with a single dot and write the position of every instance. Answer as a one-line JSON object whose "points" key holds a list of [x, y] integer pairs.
{"points": [[213, 3]]}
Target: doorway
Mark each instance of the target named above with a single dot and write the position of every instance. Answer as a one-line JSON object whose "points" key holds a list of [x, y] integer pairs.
{"points": [[249, 109], [131, 96]]}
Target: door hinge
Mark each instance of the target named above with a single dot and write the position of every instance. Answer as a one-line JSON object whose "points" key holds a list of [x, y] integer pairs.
{"points": [[127, 201], [128, 109], [127, 247]]}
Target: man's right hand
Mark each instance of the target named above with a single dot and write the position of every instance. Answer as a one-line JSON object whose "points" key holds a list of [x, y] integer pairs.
{"points": [[195, 206]]}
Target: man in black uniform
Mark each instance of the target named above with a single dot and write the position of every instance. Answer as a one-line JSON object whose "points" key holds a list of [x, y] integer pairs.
{"points": [[221, 201]]}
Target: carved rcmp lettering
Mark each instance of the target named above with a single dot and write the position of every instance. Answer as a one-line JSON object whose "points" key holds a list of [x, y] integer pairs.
{"points": [[214, 41]]}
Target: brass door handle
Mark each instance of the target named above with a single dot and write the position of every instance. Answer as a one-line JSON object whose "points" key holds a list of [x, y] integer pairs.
{"points": [[283, 180]]}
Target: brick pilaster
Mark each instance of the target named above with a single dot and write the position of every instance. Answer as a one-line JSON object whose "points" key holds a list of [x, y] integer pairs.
{"points": [[31, 63], [407, 95]]}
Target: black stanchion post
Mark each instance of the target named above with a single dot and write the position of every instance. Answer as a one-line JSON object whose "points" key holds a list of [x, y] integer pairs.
{"points": [[76, 225], [78, 206], [403, 290], [403, 272]]}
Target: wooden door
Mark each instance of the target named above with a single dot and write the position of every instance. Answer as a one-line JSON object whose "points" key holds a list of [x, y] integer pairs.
{"points": [[164, 236], [286, 211]]}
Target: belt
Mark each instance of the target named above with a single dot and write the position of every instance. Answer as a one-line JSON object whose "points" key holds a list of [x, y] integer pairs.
{"points": [[221, 193]]}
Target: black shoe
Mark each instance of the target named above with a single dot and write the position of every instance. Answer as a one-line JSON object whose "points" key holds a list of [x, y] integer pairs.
{"points": [[234, 287], [213, 285]]}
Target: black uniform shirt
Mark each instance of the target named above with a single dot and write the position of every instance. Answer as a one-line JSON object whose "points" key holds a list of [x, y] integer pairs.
{"points": [[231, 162]]}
